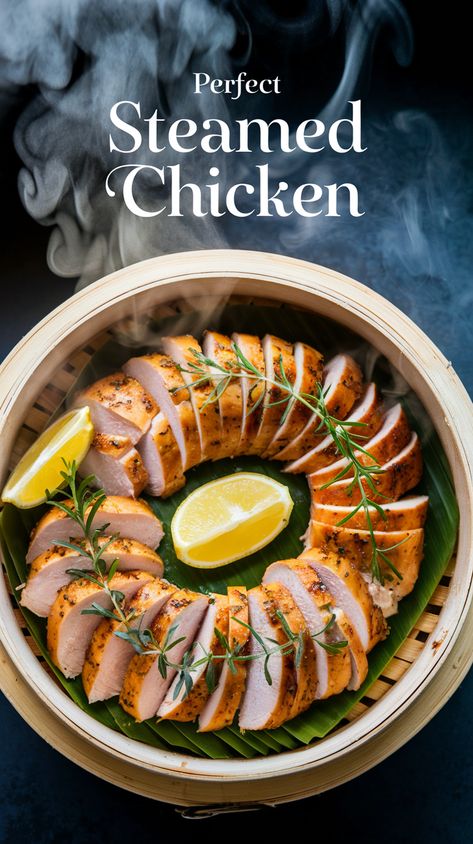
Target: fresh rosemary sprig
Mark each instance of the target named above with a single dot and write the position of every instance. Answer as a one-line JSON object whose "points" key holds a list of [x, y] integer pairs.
{"points": [[204, 370], [93, 544]]}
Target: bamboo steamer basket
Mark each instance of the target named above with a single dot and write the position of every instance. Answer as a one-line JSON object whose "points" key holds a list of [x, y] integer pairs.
{"points": [[438, 652]]}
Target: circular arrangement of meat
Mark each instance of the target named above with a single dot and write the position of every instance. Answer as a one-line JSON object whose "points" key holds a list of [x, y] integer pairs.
{"points": [[152, 424]]}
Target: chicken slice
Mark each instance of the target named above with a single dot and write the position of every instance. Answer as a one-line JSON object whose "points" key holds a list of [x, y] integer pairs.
{"points": [[317, 606], [265, 705], [126, 516], [218, 348], [252, 391], [399, 475], [367, 411], [306, 671], [164, 382], [186, 707], [222, 705], [122, 476], [350, 593], [108, 655], [277, 353], [49, 571], [403, 548], [144, 687], [309, 372], [119, 406], [391, 438], [207, 415], [69, 631], [161, 456], [406, 514], [342, 382]]}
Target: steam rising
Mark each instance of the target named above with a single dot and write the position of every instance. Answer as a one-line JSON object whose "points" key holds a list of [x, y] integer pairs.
{"points": [[81, 56]]}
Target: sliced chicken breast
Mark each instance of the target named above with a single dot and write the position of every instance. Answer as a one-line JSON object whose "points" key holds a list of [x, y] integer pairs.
{"points": [[391, 438], [49, 571], [144, 687], [218, 347], [124, 476], [186, 707], [309, 373], [306, 671], [368, 412], [408, 513], [220, 709], [164, 382], [207, 414], [252, 391], [69, 631], [317, 605], [161, 456], [108, 655], [399, 475], [278, 363], [358, 658], [126, 516], [350, 593], [403, 548], [119, 406], [342, 382], [113, 445], [265, 705]]}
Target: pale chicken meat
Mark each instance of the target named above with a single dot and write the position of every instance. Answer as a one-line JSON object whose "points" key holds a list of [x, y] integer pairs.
{"points": [[49, 571], [126, 516], [267, 705], [279, 364], [183, 351], [358, 657], [316, 604], [123, 475], [391, 438], [367, 414], [399, 475], [160, 453], [221, 706], [350, 594], [182, 706], [252, 391], [119, 406], [162, 379], [404, 550], [407, 513], [308, 379], [281, 601], [144, 686], [218, 347], [342, 385], [69, 630], [108, 655]]}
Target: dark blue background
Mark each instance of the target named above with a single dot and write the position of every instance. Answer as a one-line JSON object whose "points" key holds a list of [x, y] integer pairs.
{"points": [[425, 790]]}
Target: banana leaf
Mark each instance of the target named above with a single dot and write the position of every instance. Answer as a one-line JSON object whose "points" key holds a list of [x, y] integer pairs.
{"points": [[440, 536]]}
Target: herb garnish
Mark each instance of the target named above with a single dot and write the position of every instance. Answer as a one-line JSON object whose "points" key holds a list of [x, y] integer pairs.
{"points": [[85, 505], [205, 370]]}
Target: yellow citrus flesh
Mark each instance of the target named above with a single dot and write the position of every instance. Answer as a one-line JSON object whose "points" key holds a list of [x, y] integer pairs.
{"points": [[68, 438], [230, 518]]}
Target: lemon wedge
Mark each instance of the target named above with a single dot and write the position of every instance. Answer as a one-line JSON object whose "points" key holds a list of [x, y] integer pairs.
{"points": [[230, 518], [68, 438]]}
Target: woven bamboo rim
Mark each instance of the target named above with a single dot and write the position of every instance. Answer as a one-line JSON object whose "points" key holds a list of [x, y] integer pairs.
{"points": [[38, 374]]}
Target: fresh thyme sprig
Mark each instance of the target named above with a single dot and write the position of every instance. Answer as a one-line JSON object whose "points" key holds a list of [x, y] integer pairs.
{"points": [[204, 370], [92, 545]]}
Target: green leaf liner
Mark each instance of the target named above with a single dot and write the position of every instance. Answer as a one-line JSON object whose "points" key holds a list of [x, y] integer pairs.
{"points": [[324, 716]]}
